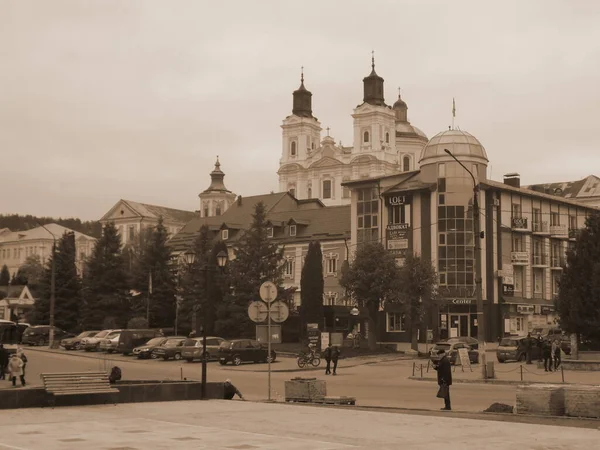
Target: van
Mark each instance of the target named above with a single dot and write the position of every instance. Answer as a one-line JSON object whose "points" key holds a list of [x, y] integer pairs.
{"points": [[131, 339]]}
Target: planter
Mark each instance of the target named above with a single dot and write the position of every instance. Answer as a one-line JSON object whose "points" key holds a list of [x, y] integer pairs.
{"points": [[582, 401], [306, 389], [545, 400]]}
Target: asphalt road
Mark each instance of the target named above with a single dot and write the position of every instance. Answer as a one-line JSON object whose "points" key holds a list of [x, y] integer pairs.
{"points": [[384, 384]]}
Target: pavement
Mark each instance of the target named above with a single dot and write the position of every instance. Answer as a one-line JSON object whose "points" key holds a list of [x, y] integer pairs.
{"points": [[220, 425]]}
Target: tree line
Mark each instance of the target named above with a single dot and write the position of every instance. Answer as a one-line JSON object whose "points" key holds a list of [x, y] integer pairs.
{"points": [[17, 222]]}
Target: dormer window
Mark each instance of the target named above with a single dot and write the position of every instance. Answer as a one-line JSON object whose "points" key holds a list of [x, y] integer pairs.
{"points": [[224, 235], [270, 232], [293, 148], [366, 136], [292, 230]]}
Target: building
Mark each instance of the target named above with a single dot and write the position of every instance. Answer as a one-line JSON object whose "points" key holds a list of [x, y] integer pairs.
{"points": [[16, 302], [292, 224], [384, 143], [586, 191], [430, 212], [17, 246]]}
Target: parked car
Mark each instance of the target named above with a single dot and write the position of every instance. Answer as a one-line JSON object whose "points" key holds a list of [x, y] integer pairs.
{"points": [[451, 349], [192, 348], [130, 339], [110, 342], [145, 351], [74, 343], [90, 344], [169, 349], [238, 351], [40, 335], [514, 349], [471, 342]]}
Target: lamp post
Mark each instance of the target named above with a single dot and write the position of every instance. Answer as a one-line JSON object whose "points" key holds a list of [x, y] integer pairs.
{"points": [[208, 270], [52, 287], [478, 281]]}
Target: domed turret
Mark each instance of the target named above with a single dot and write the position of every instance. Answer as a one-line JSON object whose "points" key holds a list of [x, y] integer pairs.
{"points": [[460, 143], [302, 100], [401, 109], [373, 87]]}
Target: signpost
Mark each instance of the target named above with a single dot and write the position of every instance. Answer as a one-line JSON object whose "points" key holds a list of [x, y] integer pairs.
{"points": [[268, 294]]}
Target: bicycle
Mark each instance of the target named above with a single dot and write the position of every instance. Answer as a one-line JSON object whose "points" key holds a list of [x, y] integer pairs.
{"points": [[304, 359]]}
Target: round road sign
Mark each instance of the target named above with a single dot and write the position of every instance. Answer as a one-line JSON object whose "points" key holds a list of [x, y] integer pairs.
{"points": [[258, 312], [268, 291], [279, 312]]}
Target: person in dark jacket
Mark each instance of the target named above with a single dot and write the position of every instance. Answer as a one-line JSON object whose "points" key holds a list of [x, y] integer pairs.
{"points": [[3, 362], [556, 356], [528, 346], [540, 345], [229, 391], [444, 376], [327, 355], [335, 354], [547, 353]]}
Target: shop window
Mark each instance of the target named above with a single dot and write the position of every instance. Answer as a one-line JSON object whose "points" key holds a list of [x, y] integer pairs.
{"points": [[396, 323]]}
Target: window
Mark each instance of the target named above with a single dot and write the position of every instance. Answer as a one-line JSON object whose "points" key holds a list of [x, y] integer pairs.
{"points": [[331, 264], [270, 232], [367, 216], [406, 163], [441, 170], [218, 209], [309, 192], [518, 243], [288, 268], [224, 235], [387, 138], [395, 323], [397, 214], [518, 278], [131, 232], [292, 191], [345, 189], [538, 281], [293, 148], [554, 218], [516, 210], [206, 212], [555, 283], [326, 188], [572, 222], [292, 230], [366, 136]]}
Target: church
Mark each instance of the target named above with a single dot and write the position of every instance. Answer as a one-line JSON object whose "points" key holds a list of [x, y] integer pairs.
{"points": [[385, 143]]}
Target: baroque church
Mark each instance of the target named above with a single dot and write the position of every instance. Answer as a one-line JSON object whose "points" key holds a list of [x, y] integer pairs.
{"points": [[385, 143]]}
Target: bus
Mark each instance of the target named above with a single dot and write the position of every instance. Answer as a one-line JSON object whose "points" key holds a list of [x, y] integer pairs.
{"points": [[10, 334]]}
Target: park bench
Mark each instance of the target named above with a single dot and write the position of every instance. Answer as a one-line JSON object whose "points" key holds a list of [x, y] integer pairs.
{"points": [[77, 383]]}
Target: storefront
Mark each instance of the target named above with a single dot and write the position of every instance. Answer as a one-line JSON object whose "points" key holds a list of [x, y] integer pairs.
{"points": [[455, 317], [522, 316]]}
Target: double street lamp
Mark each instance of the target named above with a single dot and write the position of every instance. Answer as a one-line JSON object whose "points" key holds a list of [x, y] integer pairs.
{"points": [[208, 270]]}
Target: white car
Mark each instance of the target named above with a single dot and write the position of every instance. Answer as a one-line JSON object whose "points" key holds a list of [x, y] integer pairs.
{"points": [[93, 343]]}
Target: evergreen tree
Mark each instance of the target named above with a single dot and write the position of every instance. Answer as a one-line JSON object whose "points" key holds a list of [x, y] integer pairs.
{"points": [[105, 282], [312, 286], [67, 288], [578, 301], [257, 259], [31, 272], [4, 276]]}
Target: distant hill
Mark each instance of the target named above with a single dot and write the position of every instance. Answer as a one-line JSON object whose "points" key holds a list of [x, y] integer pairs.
{"points": [[16, 222]]}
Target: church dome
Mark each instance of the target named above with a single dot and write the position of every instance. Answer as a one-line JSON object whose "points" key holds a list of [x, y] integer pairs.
{"points": [[405, 129], [460, 143], [400, 104]]}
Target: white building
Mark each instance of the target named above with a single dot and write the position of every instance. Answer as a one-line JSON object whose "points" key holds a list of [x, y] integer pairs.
{"points": [[384, 143]]}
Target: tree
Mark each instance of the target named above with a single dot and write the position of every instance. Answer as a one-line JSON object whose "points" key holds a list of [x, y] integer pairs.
{"points": [[67, 287], [257, 259], [371, 279], [137, 323], [416, 288], [578, 301], [4, 276], [312, 286], [31, 272], [105, 283]]}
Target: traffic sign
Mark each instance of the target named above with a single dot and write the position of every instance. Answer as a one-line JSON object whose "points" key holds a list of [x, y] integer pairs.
{"points": [[268, 291], [258, 311], [279, 311]]}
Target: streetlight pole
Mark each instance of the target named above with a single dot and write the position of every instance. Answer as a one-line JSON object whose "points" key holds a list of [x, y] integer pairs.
{"points": [[478, 281], [52, 287]]}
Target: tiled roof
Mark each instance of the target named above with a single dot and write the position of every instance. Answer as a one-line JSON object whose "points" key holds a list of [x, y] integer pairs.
{"points": [[314, 224], [155, 211], [570, 189], [52, 229]]}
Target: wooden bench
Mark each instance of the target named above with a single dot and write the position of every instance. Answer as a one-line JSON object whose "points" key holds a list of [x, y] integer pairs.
{"points": [[77, 383]]}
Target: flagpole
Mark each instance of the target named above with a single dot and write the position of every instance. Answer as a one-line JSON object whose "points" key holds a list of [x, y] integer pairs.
{"points": [[453, 112]]}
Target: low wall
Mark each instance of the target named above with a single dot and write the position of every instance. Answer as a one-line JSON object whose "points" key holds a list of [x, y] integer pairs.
{"points": [[581, 364], [589, 356], [129, 392], [559, 400]]}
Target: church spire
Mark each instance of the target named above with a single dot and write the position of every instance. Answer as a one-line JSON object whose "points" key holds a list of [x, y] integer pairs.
{"points": [[216, 178], [400, 109], [302, 99], [373, 86]]}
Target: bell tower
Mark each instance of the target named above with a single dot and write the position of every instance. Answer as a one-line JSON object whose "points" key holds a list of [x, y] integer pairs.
{"points": [[215, 200]]}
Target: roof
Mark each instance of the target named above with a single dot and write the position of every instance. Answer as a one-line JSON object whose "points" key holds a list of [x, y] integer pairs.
{"points": [[51, 231], [381, 177], [459, 142], [155, 211], [315, 224], [410, 182], [586, 187]]}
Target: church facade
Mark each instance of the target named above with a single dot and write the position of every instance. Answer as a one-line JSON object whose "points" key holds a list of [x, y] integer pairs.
{"points": [[384, 143]]}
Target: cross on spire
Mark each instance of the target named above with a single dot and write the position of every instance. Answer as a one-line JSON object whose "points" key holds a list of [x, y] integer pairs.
{"points": [[302, 74], [327, 131], [399, 91], [373, 59]]}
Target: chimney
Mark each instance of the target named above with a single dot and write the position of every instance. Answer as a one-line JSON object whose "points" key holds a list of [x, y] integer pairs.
{"points": [[512, 179], [239, 200]]}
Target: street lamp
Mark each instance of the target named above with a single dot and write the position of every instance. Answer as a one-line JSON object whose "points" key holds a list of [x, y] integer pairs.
{"points": [[52, 287], [476, 238], [208, 270]]}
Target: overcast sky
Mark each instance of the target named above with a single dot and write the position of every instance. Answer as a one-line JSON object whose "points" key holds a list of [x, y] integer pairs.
{"points": [[102, 100]]}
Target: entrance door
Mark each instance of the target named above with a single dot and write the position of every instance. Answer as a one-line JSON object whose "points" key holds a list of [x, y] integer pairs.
{"points": [[464, 325], [459, 325]]}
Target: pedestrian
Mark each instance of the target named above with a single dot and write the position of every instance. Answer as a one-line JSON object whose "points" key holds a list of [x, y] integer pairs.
{"points": [[444, 376], [556, 354], [540, 345], [335, 354], [327, 355], [528, 345], [3, 362], [23, 358], [15, 367], [229, 391], [547, 352]]}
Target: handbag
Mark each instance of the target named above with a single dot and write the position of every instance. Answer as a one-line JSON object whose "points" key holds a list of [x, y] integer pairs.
{"points": [[443, 391]]}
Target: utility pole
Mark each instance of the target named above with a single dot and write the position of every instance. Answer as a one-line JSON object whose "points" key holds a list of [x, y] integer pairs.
{"points": [[52, 287]]}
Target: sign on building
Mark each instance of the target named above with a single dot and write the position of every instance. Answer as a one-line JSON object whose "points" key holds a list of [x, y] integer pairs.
{"points": [[398, 238]]}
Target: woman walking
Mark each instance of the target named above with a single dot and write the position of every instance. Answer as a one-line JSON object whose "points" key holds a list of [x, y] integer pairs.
{"points": [[15, 367]]}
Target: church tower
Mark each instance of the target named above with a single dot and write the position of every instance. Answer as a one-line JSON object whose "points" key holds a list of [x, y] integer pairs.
{"points": [[215, 200]]}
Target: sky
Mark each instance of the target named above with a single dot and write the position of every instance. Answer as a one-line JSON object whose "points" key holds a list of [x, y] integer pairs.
{"points": [[102, 99]]}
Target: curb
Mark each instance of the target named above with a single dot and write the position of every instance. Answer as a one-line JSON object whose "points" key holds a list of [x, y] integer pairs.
{"points": [[78, 354], [491, 381]]}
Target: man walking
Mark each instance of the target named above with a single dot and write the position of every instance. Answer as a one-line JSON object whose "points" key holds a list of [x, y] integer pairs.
{"points": [[444, 376], [335, 354], [3, 362], [556, 354], [528, 346], [547, 352], [327, 355]]}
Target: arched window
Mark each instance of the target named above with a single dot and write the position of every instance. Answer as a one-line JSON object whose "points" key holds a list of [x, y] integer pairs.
{"points": [[387, 138], [309, 192], [366, 136], [406, 163], [293, 148]]}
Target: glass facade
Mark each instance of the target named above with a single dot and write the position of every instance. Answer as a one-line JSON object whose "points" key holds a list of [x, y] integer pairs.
{"points": [[367, 215]]}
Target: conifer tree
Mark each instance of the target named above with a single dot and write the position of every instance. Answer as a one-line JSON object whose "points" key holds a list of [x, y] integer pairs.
{"points": [[4, 276]]}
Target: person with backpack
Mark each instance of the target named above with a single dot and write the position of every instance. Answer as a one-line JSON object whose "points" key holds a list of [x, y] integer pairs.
{"points": [[335, 354], [327, 356]]}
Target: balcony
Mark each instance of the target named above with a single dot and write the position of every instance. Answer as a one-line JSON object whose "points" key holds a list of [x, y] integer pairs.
{"points": [[519, 258], [540, 260], [518, 223], [540, 228], [560, 231], [574, 233], [557, 262]]}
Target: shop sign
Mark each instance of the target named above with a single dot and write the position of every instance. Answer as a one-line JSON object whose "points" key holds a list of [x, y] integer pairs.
{"points": [[461, 301], [398, 238], [395, 200], [525, 309], [547, 310], [508, 290]]}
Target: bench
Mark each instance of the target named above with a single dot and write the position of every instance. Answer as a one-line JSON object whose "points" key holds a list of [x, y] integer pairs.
{"points": [[77, 383]]}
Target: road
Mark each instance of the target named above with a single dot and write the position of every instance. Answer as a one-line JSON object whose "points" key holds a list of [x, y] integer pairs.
{"points": [[383, 384]]}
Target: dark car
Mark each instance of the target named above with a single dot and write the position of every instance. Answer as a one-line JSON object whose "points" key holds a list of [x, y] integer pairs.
{"points": [[169, 349], [514, 349], [451, 347], [130, 339], [40, 335], [74, 343], [192, 348], [243, 350], [145, 351]]}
